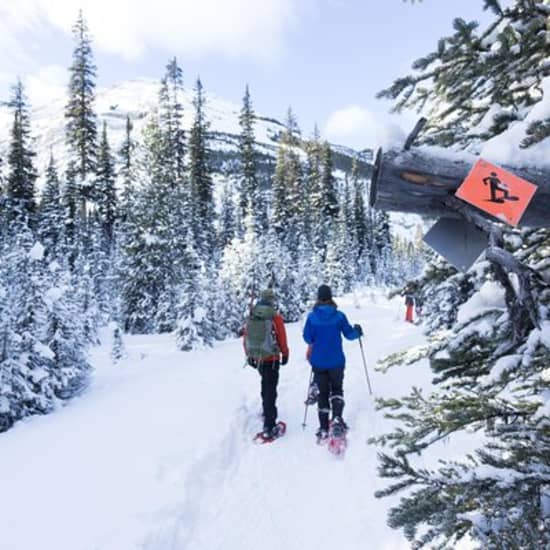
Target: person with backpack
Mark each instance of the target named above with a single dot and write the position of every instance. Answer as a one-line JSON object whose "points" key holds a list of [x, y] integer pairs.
{"points": [[323, 334], [266, 348]]}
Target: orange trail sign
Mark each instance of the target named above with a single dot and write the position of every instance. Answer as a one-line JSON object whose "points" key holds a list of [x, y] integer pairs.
{"points": [[497, 192]]}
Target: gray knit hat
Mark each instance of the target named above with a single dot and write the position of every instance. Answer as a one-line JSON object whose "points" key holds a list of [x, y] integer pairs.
{"points": [[267, 295]]}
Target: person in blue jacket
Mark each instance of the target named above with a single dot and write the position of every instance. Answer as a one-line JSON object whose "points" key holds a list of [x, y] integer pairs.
{"points": [[323, 333]]}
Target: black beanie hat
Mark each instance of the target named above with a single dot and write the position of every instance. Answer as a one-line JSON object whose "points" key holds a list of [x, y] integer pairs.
{"points": [[324, 294]]}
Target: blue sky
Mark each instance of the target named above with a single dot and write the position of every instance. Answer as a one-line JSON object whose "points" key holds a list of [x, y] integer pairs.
{"points": [[325, 58]]}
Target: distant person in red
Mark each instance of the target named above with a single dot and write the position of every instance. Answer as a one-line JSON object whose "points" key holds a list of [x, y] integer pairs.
{"points": [[409, 304]]}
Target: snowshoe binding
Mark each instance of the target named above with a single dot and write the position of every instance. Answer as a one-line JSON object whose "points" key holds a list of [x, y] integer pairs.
{"points": [[322, 436], [270, 435], [337, 441]]}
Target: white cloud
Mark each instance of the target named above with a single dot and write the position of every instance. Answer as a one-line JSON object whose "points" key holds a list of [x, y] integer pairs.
{"points": [[235, 28], [47, 84], [360, 128]]}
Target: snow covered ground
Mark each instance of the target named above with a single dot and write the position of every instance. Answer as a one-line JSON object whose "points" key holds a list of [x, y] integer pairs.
{"points": [[157, 455]]}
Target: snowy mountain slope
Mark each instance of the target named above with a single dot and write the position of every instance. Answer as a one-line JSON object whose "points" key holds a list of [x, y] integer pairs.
{"points": [[138, 98], [157, 455]]}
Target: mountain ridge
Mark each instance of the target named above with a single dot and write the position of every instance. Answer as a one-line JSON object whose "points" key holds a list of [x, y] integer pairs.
{"points": [[138, 98]]}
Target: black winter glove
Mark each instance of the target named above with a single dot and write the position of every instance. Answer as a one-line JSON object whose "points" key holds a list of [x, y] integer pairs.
{"points": [[284, 360], [252, 362], [358, 329]]}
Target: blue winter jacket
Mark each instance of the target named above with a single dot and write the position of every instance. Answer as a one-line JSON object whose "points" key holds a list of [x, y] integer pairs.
{"points": [[323, 331]]}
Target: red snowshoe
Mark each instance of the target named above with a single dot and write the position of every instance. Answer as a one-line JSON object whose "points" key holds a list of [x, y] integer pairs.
{"points": [[337, 442], [263, 437]]}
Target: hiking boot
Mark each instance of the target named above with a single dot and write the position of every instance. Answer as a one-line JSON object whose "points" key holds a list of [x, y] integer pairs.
{"points": [[339, 420], [321, 434], [338, 427], [270, 433]]}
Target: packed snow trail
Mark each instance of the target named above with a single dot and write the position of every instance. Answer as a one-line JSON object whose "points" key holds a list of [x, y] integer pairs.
{"points": [[157, 455]]}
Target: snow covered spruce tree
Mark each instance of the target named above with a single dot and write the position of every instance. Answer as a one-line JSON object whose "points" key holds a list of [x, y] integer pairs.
{"points": [[152, 263], [50, 214], [500, 72], [72, 223], [200, 179], [198, 311], [329, 199], [313, 185], [147, 277], [102, 252], [227, 219], [126, 171], [287, 179], [22, 175], [42, 357], [81, 120], [491, 357], [171, 122], [251, 197], [104, 192]]}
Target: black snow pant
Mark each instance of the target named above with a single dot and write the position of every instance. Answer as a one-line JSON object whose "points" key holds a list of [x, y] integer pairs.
{"points": [[331, 393], [269, 372]]}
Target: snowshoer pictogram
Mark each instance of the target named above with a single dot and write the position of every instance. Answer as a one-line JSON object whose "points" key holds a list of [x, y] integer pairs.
{"points": [[495, 185]]}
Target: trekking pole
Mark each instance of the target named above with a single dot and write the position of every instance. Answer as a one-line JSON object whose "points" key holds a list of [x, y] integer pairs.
{"points": [[365, 363], [307, 401]]}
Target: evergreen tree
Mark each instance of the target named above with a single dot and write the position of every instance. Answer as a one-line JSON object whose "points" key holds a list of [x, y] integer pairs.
{"points": [[227, 228], [104, 192], [42, 356], [491, 360], [152, 263], [70, 200], [490, 380], [278, 186], [200, 178], [288, 198], [329, 200], [65, 336], [478, 82], [170, 123], [191, 311], [51, 216], [81, 124], [3, 202], [360, 229], [242, 274], [2, 191], [88, 295], [381, 253], [338, 266], [118, 351], [21, 172], [313, 220], [328, 186], [126, 171], [250, 193]]}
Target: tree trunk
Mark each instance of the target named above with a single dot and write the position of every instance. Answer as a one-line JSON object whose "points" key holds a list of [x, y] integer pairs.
{"points": [[420, 181]]}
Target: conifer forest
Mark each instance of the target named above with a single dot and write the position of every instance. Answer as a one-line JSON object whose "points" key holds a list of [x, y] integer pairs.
{"points": [[174, 231]]}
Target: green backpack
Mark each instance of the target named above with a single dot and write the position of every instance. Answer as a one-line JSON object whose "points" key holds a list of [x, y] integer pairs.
{"points": [[260, 340]]}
